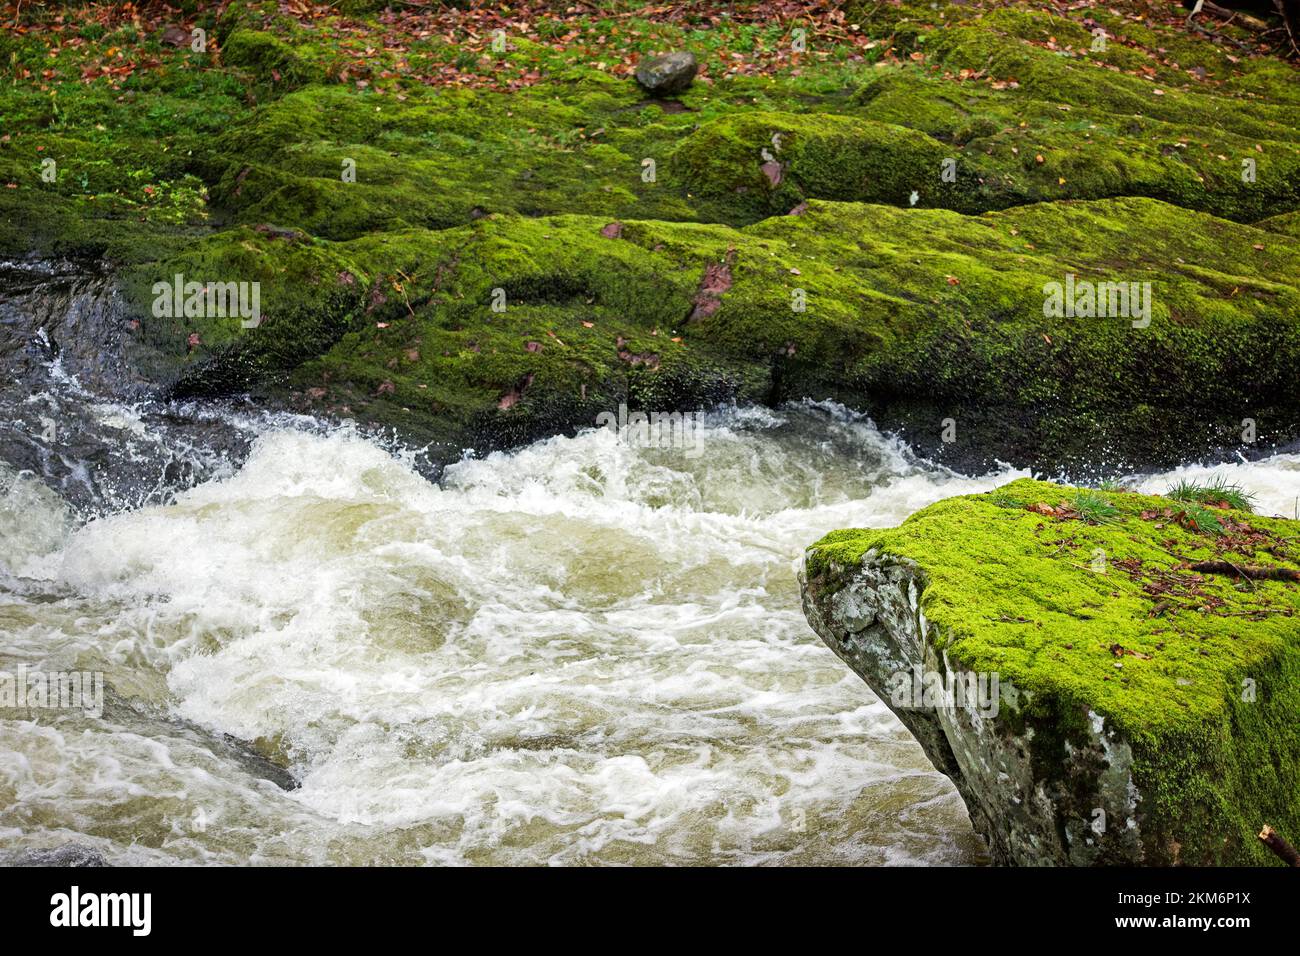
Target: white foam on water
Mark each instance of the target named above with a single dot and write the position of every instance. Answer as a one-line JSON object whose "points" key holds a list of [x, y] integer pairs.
{"points": [[578, 652], [34, 522], [1275, 481]]}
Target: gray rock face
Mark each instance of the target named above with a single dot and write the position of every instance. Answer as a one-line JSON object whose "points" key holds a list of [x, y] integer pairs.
{"points": [[667, 75], [1037, 800], [68, 349], [70, 854]]}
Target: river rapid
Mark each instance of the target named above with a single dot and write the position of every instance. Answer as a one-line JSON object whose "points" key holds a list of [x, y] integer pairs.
{"points": [[579, 652]]}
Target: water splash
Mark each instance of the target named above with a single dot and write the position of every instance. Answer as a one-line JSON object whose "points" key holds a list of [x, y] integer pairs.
{"points": [[1275, 481]]}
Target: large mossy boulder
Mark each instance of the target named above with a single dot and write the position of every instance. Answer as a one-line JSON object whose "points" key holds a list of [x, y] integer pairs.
{"points": [[1107, 678]]}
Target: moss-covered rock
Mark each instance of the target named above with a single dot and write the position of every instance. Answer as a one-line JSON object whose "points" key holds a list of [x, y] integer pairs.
{"points": [[301, 294], [434, 171], [1140, 676], [524, 326], [1014, 105]]}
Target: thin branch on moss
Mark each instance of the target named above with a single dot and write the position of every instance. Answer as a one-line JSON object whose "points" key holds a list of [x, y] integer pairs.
{"points": [[1249, 571]]}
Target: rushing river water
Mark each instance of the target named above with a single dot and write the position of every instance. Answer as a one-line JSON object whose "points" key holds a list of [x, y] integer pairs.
{"points": [[578, 652]]}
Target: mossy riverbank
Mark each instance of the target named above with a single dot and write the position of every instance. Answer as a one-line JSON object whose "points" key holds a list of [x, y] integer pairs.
{"points": [[389, 178]]}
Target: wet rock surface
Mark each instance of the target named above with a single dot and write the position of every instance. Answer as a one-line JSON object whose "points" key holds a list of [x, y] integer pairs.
{"points": [[156, 722], [69, 855], [77, 408]]}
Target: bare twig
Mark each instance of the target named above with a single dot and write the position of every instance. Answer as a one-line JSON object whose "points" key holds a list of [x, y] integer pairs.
{"points": [[1215, 35], [1257, 572]]}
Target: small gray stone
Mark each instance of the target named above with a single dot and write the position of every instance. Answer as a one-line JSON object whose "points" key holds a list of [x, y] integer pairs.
{"points": [[667, 75], [176, 36]]}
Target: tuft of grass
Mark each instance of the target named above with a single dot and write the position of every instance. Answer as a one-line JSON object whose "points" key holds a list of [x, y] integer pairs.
{"points": [[1003, 500], [1217, 492], [1116, 486], [1195, 516], [1092, 507]]}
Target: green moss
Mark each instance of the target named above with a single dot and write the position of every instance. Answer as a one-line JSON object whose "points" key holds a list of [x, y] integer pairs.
{"points": [[1029, 149], [587, 321], [912, 313], [821, 157], [1198, 671], [1288, 224], [1118, 121], [269, 58], [881, 307], [577, 144], [308, 293]]}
